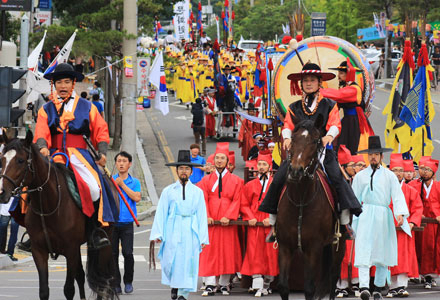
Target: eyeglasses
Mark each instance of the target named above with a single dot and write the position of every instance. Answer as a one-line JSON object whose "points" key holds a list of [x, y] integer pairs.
{"points": [[424, 169], [397, 171]]}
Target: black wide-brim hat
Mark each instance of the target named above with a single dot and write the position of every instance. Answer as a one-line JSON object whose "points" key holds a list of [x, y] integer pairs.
{"points": [[374, 146], [227, 67], [251, 106], [343, 67], [183, 159], [64, 70], [311, 69]]}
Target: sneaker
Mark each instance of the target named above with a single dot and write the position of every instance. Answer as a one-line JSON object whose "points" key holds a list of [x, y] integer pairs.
{"points": [[377, 296], [428, 285], [269, 291], [365, 294], [402, 293], [251, 290], [224, 290], [433, 283], [259, 293], [12, 257], [173, 294], [181, 298], [118, 290], [355, 290], [209, 291], [203, 287], [341, 293], [128, 288], [391, 293]]}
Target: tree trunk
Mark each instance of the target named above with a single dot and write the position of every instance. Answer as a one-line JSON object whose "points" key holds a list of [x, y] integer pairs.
{"points": [[389, 15], [117, 92]]}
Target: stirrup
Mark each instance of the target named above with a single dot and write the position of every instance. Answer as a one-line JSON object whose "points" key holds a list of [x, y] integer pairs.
{"points": [[96, 242]]}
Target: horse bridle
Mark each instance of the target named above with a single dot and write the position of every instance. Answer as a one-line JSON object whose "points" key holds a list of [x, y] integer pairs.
{"points": [[312, 166]]}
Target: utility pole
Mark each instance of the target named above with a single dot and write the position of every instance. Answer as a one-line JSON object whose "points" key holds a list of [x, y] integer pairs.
{"points": [[24, 53], [252, 3], [129, 83]]}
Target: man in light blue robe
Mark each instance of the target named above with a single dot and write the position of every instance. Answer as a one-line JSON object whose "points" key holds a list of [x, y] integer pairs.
{"points": [[376, 240], [181, 226]]}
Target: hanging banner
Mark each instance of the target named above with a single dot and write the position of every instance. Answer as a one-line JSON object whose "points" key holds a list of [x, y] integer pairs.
{"points": [[143, 70], [180, 20]]}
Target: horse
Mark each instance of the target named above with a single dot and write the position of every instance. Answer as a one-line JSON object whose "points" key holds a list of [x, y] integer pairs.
{"points": [[306, 221], [53, 221]]}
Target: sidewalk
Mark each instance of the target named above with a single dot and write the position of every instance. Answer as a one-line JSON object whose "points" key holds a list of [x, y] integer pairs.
{"points": [[388, 85]]}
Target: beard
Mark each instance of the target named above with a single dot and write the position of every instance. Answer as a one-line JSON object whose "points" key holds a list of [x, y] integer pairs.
{"points": [[374, 165], [342, 83]]}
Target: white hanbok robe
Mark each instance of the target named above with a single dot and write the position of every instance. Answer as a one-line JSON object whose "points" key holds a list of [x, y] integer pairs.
{"points": [[376, 240], [182, 225]]}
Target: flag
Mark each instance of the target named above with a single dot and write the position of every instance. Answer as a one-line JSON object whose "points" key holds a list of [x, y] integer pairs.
{"points": [[379, 27], [33, 57], [157, 29], [199, 20], [225, 17], [157, 78], [418, 110], [218, 28], [63, 55]]}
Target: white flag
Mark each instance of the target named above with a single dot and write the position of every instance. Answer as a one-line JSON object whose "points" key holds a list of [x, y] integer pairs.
{"points": [[157, 78], [378, 25], [63, 55], [33, 57]]}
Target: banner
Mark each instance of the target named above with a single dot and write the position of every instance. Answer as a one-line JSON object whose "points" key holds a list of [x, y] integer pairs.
{"points": [[180, 20], [143, 73]]}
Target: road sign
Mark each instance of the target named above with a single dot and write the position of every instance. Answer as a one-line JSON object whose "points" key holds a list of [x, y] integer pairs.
{"points": [[143, 75], [319, 22], [16, 5]]}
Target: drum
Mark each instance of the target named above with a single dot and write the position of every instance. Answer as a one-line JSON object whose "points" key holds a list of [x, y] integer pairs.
{"points": [[327, 52]]}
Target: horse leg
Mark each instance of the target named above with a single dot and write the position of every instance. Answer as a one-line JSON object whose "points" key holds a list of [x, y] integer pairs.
{"points": [[284, 260], [40, 259], [72, 259], [312, 267], [81, 279]]}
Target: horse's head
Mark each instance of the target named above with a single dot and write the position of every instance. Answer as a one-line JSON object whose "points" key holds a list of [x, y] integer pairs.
{"points": [[303, 152], [16, 162]]}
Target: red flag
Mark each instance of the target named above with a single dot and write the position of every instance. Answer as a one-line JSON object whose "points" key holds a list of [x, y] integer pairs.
{"points": [[233, 15], [270, 64], [191, 17], [200, 6], [223, 14], [226, 3]]}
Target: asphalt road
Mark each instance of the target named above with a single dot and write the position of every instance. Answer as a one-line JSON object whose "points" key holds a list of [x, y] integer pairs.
{"points": [[21, 281]]}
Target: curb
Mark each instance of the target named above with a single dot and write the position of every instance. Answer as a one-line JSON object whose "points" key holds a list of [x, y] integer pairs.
{"points": [[148, 213], [147, 172], [6, 262]]}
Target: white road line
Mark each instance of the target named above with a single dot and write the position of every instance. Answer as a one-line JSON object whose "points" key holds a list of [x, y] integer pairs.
{"points": [[375, 107], [437, 141], [8, 296], [143, 231], [137, 258]]}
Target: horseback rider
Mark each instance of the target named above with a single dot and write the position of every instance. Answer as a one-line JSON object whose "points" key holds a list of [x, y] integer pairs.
{"points": [[60, 127], [312, 105]]}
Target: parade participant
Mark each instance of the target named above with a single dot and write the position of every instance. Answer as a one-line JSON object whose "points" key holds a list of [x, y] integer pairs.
{"points": [[198, 123], [247, 131], [408, 170], [198, 172], [258, 145], [60, 127], [271, 147], [180, 225], [181, 86], [359, 161], [376, 243], [346, 161], [354, 124], [191, 84], [426, 241], [123, 229], [407, 266], [231, 162], [261, 259], [244, 81], [212, 111], [310, 107], [222, 192]]}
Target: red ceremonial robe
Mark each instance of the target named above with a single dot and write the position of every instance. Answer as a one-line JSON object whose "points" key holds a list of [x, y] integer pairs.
{"points": [[427, 242], [260, 258], [210, 119], [349, 244], [245, 136], [223, 254], [406, 247]]}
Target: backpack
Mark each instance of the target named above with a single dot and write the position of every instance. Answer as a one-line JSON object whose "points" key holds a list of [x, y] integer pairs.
{"points": [[197, 111]]}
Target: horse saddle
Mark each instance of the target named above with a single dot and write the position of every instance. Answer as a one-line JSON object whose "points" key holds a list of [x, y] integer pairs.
{"points": [[72, 185]]}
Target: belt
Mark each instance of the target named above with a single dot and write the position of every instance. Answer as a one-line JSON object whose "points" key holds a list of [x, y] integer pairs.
{"points": [[72, 141], [350, 112]]}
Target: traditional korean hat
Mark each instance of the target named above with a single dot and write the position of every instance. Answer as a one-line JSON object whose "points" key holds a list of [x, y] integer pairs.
{"points": [[343, 67], [222, 147], [347, 67], [408, 165], [257, 135], [265, 156], [432, 164], [183, 159], [64, 70], [227, 67], [374, 146], [396, 160], [308, 69], [344, 155], [358, 158], [423, 160], [232, 157], [251, 106]]}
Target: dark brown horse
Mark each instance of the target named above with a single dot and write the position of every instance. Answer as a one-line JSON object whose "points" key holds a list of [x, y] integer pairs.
{"points": [[56, 226], [306, 221]]}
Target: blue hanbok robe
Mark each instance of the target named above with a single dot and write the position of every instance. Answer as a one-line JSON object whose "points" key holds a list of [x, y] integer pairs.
{"points": [[182, 225], [376, 240]]}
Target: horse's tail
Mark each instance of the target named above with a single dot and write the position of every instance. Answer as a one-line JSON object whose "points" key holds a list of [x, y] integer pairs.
{"points": [[100, 272], [324, 283]]}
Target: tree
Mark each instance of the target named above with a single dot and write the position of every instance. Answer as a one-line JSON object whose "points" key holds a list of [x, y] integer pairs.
{"points": [[12, 28]]}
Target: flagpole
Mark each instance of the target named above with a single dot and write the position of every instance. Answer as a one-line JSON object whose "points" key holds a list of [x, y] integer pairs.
{"points": [[423, 141]]}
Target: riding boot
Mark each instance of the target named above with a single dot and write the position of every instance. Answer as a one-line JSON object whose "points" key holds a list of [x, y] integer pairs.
{"points": [[97, 238], [271, 237], [348, 230]]}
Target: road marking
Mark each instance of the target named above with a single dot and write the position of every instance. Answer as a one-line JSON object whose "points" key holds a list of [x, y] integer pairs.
{"points": [[137, 258], [184, 118], [437, 141], [143, 231], [8, 296], [375, 107]]}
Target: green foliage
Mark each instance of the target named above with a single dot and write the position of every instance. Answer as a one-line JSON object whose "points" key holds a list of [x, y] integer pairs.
{"points": [[12, 28]]}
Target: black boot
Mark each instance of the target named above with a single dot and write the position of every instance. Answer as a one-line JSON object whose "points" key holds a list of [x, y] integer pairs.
{"points": [[97, 237], [173, 294], [271, 237], [348, 230]]}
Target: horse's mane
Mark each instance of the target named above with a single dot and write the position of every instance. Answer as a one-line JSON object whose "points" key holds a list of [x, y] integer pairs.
{"points": [[308, 125], [14, 144]]}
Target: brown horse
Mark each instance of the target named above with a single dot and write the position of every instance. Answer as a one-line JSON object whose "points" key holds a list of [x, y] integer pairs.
{"points": [[306, 221], [55, 224]]}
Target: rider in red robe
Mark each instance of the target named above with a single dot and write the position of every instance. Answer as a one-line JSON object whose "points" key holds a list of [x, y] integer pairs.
{"points": [[407, 266], [261, 259], [222, 192], [427, 242], [212, 109], [247, 130]]}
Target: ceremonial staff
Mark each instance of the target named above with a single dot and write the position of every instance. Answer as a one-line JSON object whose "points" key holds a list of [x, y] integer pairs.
{"points": [[109, 175]]}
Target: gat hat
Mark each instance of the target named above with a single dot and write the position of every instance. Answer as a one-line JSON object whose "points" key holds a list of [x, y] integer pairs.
{"points": [[374, 146], [344, 155], [183, 159], [408, 165], [308, 69], [347, 67], [251, 106], [227, 67], [396, 160], [64, 70], [343, 67]]}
